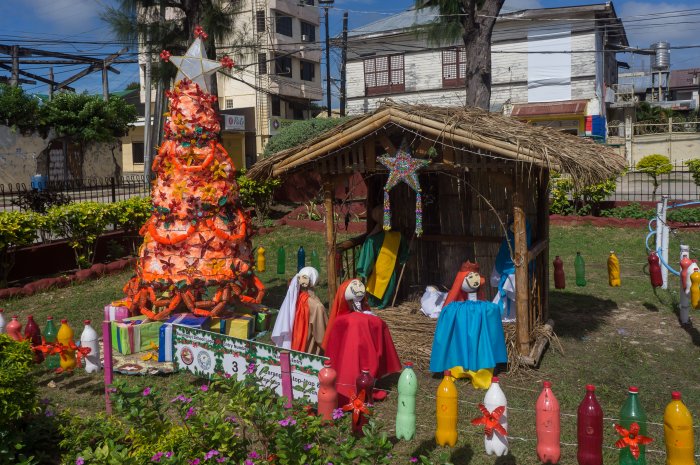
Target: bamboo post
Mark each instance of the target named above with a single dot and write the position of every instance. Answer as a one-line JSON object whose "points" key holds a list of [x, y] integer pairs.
{"points": [[543, 233], [328, 196], [107, 351], [286, 371], [522, 287]]}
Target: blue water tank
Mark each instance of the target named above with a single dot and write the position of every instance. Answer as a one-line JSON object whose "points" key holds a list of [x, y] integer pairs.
{"points": [[39, 182]]}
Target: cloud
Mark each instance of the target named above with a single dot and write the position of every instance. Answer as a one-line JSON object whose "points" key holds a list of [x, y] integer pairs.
{"points": [[644, 27], [66, 15], [517, 5]]}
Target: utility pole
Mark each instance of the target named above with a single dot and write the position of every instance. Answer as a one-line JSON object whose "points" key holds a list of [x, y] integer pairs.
{"points": [[343, 66], [326, 4], [105, 81], [147, 113], [51, 84], [14, 79]]}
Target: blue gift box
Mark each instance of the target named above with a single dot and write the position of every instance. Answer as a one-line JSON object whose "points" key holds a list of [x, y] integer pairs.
{"points": [[165, 346]]}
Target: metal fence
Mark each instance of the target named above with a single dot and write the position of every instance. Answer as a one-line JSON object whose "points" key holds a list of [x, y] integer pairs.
{"points": [[104, 190], [636, 186], [674, 125]]}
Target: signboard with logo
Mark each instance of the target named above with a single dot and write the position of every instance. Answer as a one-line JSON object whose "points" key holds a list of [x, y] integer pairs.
{"points": [[234, 122], [207, 354], [277, 123]]}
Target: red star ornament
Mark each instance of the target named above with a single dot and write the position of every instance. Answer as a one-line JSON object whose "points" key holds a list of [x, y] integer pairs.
{"points": [[491, 420], [631, 439], [358, 407]]}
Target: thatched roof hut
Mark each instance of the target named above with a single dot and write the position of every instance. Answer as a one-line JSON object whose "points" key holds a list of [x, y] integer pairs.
{"points": [[486, 171]]}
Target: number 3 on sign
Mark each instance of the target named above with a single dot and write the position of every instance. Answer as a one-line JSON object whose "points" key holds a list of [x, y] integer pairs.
{"points": [[234, 366]]}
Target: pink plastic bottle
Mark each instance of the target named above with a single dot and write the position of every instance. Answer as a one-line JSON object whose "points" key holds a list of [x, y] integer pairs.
{"points": [[590, 430], [365, 382], [547, 423], [14, 328], [327, 395]]}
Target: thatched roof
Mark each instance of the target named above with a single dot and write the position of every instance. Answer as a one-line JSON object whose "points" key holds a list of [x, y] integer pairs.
{"points": [[472, 128]]}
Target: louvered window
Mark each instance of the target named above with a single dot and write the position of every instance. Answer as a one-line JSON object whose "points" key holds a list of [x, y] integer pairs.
{"points": [[454, 67], [384, 75]]}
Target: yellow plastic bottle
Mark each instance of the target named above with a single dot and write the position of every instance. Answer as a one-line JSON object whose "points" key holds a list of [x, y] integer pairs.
{"points": [[695, 290], [261, 259], [65, 337], [678, 432], [446, 432], [613, 270]]}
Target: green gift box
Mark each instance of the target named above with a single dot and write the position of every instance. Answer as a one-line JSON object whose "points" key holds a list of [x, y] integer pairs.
{"points": [[135, 334], [265, 320]]}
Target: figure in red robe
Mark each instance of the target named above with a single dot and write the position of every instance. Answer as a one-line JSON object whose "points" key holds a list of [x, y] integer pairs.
{"points": [[355, 339]]}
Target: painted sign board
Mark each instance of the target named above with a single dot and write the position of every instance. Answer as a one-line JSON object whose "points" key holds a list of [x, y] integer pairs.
{"points": [[207, 354], [234, 122]]}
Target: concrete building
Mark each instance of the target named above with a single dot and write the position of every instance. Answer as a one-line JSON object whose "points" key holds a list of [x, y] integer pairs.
{"points": [[551, 66]]}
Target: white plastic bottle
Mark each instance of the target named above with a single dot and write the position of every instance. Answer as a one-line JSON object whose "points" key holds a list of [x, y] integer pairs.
{"points": [[89, 339], [497, 444], [2, 321]]}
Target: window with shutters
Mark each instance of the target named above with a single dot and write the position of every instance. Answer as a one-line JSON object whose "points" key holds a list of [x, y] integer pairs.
{"points": [[283, 65], [384, 75], [228, 103], [262, 63], [308, 32], [260, 21], [283, 24], [137, 153], [454, 67], [307, 70]]}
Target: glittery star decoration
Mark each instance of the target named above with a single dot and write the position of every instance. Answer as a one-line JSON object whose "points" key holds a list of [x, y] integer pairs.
{"points": [[403, 168], [195, 65]]}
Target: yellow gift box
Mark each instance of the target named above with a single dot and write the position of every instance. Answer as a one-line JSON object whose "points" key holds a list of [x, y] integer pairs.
{"points": [[240, 326]]}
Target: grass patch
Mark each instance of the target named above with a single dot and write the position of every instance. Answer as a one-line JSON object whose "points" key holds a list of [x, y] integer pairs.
{"points": [[612, 337]]}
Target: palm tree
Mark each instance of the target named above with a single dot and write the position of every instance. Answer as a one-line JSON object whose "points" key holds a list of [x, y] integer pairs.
{"points": [[472, 21]]}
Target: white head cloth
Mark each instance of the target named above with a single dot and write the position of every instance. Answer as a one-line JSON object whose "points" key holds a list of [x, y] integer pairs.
{"points": [[284, 326]]}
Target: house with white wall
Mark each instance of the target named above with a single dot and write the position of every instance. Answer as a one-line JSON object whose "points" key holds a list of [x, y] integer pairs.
{"points": [[550, 66]]}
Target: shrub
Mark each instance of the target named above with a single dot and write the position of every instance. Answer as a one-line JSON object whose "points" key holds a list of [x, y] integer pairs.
{"points": [[560, 188], [684, 215], [230, 422], [80, 224], [633, 210], [18, 109], [694, 168], [593, 194], [17, 229], [257, 194], [40, 201], [131, 214], [654, 166], [566, 199], [299, 132]]}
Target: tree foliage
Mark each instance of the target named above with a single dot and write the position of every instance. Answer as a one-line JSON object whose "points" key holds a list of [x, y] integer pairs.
{"points": [[299, 132], [654, 166], [694, 168], [257, 194], [18, 109]]}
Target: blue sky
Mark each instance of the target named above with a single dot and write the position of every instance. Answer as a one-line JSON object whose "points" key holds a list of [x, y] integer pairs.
{"points": [[37, 23]]}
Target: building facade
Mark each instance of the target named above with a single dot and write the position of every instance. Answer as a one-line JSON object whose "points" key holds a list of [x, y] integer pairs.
{"points": [[550, 66]]}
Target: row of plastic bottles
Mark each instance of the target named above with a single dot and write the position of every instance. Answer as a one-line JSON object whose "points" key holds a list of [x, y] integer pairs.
{"points": [[580, 271], [63, 335], [282, 259]]}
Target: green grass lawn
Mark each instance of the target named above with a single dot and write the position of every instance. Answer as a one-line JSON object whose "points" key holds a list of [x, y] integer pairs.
{"points": [[611, 337]]}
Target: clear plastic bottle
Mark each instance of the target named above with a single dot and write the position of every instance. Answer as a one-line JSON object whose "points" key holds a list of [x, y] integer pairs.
{"points": [[446, 412], [2, 321], [548, 425], [678, 432], [406, 409], [497, 444]]}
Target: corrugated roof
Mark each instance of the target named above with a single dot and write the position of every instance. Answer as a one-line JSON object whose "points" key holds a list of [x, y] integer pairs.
{"points": [[404, 20], [569, 107], [683, 78]]}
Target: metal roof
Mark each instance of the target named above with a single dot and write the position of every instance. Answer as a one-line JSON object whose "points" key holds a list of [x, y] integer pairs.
{"points": [[404, 20]]}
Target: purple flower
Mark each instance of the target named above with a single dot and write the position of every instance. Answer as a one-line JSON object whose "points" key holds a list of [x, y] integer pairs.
{"points": [[231, 419], [250, 369], [221, 459], [182, 398], [227, 375], [337, 414], [253, 455], [168, 454], [146, 391], [308, 446], [190, 413], [79, 461], [194, 462], [413, 459], [204, 388], [45, 401], [248, 462], [211, 454], [48, 413], [156, 457], [289, 421]]}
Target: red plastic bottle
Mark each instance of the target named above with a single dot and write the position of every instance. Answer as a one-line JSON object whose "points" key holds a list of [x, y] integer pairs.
{"points": [[685, 263], [655, 270], [548, 425], [327, 395], [559, 277], [33, 334], [365, 382], [14, 328], [589, 429]]}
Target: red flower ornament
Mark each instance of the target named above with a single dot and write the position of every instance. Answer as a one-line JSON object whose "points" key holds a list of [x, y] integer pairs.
{"points": [[199, 32], [491, 420], [165, 56], [358, 407], [631, 439], [227, 62]]}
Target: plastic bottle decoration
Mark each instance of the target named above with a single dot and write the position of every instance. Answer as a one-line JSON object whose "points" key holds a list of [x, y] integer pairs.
{"points": [[589, 430], [2, 321], [315, 262], [695, 289], [446, 412], [406, 409], [65, 338], [32, 333], [281, 260], [678, 432], [548, 425], [327, 395], [261, 259], [655, 276], [559, 277], [89, 339], [496, 443], [14, 328], [613, 270], [685, 263], [52, 360], [580, 269], [301, 258], [365, 382], [632, 413], [358, 407]]}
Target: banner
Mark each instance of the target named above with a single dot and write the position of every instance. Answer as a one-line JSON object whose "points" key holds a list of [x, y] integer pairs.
{"points": [[207, 354]]}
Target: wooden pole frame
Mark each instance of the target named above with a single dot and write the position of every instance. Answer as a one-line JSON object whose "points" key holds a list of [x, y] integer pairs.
{"points": [[328, 203], [522, 286]]}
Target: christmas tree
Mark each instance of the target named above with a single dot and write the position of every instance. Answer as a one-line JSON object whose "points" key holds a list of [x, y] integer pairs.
{"points": [[196, 254]]}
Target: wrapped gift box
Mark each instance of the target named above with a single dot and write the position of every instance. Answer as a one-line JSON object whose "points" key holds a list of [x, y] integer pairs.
{"points": [[135, 334], [265, 320], [165, 339], [115, 313], [240, 326]]}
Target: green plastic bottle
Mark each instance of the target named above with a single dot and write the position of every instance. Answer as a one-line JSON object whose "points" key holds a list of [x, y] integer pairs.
{"points": [[52, 361], [281, 260], [406, 410], [632, 412], [315, 262], [580, 268]]}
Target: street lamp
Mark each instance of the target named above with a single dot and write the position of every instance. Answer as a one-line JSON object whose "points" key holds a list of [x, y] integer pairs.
{"points": [[326, 4]]}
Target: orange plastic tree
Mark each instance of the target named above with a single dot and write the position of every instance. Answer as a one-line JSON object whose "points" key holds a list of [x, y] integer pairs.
{"points": [[196, 252]]}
